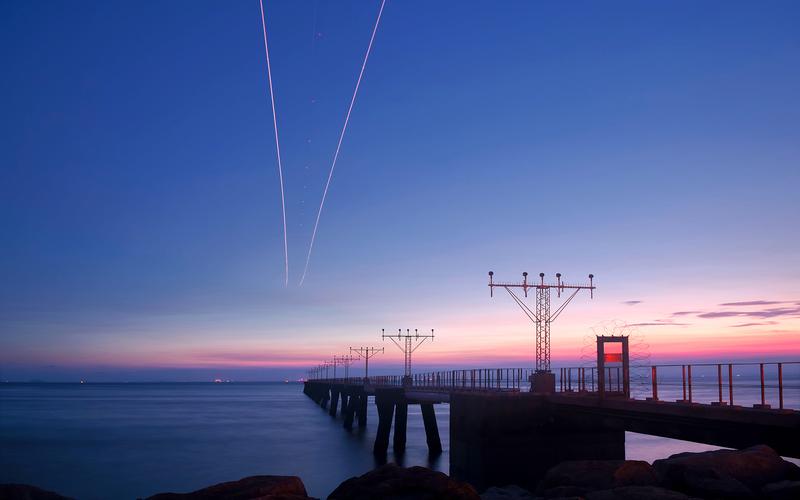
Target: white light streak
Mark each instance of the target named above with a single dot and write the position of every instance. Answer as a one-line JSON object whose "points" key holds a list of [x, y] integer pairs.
{"points": [[339, 144], [277, 149]]}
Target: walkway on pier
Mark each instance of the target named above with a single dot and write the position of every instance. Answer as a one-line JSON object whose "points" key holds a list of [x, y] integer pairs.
{"points": [[577, 399]]}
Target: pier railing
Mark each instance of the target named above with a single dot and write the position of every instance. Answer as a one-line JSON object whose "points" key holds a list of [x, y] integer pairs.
{"points": [[475, 379], [762, 385]]}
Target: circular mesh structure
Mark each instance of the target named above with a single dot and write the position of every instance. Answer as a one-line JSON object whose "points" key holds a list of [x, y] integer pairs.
{"points": [[638, 347]]}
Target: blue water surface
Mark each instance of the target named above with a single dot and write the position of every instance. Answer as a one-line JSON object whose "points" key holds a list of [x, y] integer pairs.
{"points": [[109, 441]]}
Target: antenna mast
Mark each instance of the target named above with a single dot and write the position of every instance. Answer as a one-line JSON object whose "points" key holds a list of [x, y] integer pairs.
{"points": [[345, 361], [365, 353], [411, 342], [542, 316]]}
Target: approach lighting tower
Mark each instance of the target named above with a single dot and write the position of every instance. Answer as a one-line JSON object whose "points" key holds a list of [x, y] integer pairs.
{"points": [[366, 353], [542, 380], [345, 361], [411, 342]]}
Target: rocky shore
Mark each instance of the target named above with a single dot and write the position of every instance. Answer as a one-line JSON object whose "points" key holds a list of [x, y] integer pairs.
{"points": [[752, 473]]}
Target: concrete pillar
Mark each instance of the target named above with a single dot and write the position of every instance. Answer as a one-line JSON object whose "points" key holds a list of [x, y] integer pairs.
{"points": [[326, 396], [349, 410], [385, 406], [334, 401], [499, 439], [362, 410], [400, 426], [431, 429], [320, 394], [543, 382]]}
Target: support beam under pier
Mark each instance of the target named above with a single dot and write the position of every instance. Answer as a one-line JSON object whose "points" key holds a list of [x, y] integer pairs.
{"points": [[326, 396], [362, 410], [334, 401], [349, 410], [431, 429], [498, 439], [400, 426], [385, 402]]}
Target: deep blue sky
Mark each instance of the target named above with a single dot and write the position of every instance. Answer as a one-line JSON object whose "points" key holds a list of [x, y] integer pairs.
{"points": [[655, 144]]}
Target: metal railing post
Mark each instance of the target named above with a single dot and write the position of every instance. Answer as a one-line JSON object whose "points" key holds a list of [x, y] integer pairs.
{"points": [[654, 377], [683, 380], [780, 386], [730, 384]]}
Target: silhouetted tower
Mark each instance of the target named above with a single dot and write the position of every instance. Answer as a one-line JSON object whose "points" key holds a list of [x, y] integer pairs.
{"points": [[325, 366], [344, 361], [411, 342], [542, 317], [366, 353]]}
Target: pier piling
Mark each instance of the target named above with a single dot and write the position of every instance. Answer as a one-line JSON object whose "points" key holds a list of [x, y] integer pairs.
{"points": [[385, 404], [400, 426], [431, 429], [334, 401]]}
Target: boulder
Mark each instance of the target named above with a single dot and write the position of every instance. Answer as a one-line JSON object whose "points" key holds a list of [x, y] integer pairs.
{"points": [[392, 482], [249, 488], [598, 475], [511, 492], [636, 493], [781, 490], [727, 469], [635, 473], [12, 491], [566, 492]]}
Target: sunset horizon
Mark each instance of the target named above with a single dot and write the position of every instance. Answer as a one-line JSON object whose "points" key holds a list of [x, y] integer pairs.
{"points": [[476, 249]]}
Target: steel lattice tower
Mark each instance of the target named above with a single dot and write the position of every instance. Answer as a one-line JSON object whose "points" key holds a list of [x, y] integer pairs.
{"points": [[542, 316], [543, 330], [411, 342], [366, 353], [345, 361]]}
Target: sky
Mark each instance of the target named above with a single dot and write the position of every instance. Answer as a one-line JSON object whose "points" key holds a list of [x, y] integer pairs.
{"points": [[653, 144]]}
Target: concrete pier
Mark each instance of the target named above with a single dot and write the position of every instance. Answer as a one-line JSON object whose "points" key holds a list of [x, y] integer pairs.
{"points": [[514, 438], [385, 401], [400, 425], [348, 411], [362, 410], [334, 401], [431, 429]]}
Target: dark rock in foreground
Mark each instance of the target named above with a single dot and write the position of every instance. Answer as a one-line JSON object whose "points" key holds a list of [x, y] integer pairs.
{"points": [[752, 473], [636, 493], [578, 477], [725, 473], [511, 492], [27, 492], [249, 488], [782, 490], [392, 482]]}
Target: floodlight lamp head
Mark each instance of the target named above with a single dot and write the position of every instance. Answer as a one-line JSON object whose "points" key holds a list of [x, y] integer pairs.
{"points": [[558, 275], [491, 273], [541, 275], [525, 273]]}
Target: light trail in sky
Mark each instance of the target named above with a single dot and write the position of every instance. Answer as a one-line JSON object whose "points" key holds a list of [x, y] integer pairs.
{"points": [[339, 144], [277, 149]]}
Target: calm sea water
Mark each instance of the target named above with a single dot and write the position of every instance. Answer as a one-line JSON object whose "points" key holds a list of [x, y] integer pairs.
{"points": [[108, 441]]}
